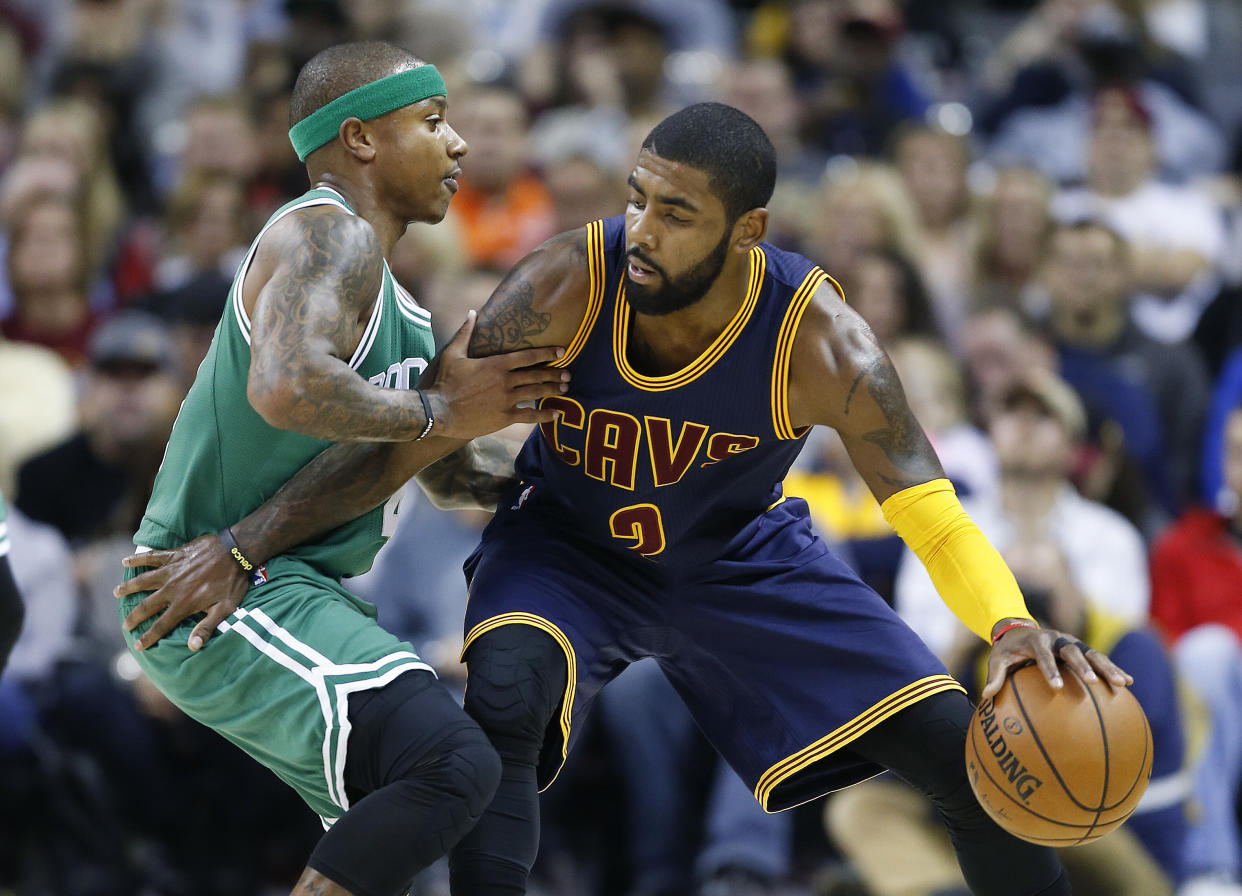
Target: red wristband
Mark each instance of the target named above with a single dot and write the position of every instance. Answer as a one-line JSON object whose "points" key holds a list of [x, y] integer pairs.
{"points": [[1017, 623]]}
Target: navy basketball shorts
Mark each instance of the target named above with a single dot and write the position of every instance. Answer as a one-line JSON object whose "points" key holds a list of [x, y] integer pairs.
{"points": [[781, 653]]}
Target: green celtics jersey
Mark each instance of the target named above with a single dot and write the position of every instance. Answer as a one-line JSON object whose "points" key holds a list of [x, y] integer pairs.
{"points": [[223, 460]]}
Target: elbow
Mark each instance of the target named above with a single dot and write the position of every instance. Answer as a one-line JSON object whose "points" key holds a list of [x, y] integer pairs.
{"points": [[275, 402]]}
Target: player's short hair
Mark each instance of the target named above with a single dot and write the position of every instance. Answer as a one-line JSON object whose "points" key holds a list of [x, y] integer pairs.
{"points": [[339, 69], [728, 145]]}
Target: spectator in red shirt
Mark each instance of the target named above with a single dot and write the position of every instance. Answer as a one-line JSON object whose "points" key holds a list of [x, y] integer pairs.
{"points": [[1196, 563], [1196, 578]]}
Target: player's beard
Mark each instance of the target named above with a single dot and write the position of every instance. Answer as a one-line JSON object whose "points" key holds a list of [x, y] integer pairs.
{"points": [[682, 292]]}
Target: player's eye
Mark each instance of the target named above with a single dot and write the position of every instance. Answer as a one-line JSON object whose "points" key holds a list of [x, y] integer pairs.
{"points": [[636, 203], [434, 121]]}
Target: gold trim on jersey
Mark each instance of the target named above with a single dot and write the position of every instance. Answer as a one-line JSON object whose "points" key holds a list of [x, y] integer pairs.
{"points": [[784, 352], [700, 365], [835, 285], [571, 661], [856, 727], [595, 293]]}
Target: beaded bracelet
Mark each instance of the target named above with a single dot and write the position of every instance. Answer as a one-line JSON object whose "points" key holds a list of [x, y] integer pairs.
{"points": [[431, 420]]}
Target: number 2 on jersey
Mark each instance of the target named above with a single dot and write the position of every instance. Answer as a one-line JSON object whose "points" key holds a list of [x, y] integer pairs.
{"points": [[642, 525]]}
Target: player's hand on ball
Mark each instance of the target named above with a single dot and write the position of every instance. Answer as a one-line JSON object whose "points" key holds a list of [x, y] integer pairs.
{"points": [[198, 577], [1045, 646]]}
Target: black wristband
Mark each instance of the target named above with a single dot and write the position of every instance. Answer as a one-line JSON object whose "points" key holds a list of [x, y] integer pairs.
{"points": [[431, 420], [230, 545]]}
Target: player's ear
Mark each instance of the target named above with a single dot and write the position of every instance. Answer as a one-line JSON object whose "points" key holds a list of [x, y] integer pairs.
{"points": [[358, 139], [750, 229]]}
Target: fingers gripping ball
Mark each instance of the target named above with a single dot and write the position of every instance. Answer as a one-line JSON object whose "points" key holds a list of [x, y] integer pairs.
{"points": [[1063, 767]]}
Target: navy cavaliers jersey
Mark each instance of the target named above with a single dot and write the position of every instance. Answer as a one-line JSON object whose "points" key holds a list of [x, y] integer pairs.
{"points": [[671, 468]]}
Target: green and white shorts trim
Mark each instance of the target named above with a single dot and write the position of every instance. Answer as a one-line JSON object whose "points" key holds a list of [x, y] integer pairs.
{"points": [[276, 677], [333, 683]]}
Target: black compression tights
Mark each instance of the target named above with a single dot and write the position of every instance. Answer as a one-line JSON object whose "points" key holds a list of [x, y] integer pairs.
{"points": [[419, 772], [516, 682], [925, 745]]}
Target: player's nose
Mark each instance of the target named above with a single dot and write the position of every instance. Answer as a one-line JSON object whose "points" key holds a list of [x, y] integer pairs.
{"points": [[457, 145], [640, 234]]}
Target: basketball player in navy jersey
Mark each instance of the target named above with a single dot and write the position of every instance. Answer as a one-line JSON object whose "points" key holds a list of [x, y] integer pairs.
{"points": [[648, 520]]}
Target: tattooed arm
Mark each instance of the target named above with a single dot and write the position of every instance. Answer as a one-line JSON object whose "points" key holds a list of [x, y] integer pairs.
{"points": [[542, 301], [841, 377], [540, 305], [474, 476], [311, 291]]}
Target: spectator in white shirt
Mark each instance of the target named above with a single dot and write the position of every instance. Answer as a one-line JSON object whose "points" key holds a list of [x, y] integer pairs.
{"points": [[1176, 234], [1051, 537]]}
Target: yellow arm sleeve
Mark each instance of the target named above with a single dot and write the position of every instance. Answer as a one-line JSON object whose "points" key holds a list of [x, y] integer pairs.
{"points": [[967, 571]]}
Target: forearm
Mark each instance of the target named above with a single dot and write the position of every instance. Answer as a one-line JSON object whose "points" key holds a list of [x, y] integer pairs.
{"points": [[340, 484], [967, 571], [473, 476], [327, 399]]}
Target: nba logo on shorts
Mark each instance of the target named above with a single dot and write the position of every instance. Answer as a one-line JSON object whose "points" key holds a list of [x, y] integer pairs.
{"points": [[522, 497]]}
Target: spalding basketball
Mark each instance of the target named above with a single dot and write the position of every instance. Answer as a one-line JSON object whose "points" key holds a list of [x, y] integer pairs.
{"points": [[1059, 767]]}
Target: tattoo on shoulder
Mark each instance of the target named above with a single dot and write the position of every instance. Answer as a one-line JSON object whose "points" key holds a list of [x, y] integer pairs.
{"points": [[331, 274], [339, 247], [902, 440], [849, 396], [331, 281], [509, 319]]}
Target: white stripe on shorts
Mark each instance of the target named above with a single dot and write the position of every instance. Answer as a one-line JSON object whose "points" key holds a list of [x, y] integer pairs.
{"points": [[316, 675]]}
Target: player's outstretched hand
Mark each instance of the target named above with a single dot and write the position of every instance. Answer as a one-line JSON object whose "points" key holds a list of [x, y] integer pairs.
{"points": [[1045, 646], [476, 396], [198, 577]]}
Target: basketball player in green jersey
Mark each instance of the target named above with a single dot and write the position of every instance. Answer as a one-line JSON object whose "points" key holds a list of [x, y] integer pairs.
{"points": [[11, 608], [318, 344]]}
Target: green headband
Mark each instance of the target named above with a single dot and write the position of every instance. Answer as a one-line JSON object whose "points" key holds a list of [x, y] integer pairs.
{"points": [[365, 102]]}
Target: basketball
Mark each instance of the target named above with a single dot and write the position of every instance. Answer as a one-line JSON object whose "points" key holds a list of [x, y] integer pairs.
{"points": [[1059, 768]]}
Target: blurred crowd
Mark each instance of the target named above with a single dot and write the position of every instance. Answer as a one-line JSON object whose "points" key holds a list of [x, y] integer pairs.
{"points": [[1035, 204]]}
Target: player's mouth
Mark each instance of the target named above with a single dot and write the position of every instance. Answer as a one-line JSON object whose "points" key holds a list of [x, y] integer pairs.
{"points": [[451, 180], [640, 272]]}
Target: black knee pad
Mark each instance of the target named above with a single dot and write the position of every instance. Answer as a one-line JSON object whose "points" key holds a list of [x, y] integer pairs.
{"points": [[516, 682], [468, 768], [942, 731], [925, 745]]}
